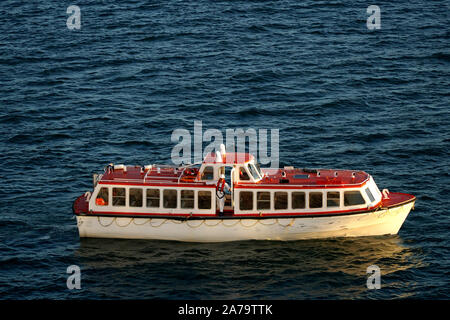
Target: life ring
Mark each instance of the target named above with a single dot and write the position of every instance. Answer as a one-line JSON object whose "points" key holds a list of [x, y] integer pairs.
{"points": [[188, 175], [100, 202], [187, 178]]}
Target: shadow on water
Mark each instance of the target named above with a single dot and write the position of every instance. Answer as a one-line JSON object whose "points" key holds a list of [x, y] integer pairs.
{"points": [[334, 268]]}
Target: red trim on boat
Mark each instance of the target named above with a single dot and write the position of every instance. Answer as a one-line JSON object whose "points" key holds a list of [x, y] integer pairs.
{"points": [[309, 213], [148, 184], [279, 186]]}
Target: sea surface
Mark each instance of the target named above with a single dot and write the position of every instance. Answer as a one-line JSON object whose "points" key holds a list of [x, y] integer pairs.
{"points": [[341, 96]]}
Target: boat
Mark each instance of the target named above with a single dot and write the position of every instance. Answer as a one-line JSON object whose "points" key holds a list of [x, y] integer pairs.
{"points": [[228, 197]]}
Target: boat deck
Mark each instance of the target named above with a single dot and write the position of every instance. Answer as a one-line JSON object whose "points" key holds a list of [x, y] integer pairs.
{"points": [[312, 177], [139, 175], [395, 199], [283, 177]]}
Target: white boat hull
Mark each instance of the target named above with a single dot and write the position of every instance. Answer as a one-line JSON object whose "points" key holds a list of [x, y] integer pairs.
{"points": [[381, 222]]}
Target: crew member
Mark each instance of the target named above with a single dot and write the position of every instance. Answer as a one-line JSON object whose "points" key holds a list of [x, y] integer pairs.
{"points": [[222, 188]]}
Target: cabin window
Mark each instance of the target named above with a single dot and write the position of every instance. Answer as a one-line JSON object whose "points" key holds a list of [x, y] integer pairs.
{"points": [[135, 197], [315, 199], [102, 197], [243, 175], [281, 200], [204, 199], [170, 199], [118, 196], [258, 168], [246, 200], [153, 198], [208, 173], [187, 199], [298, 200], [333, 199], [253, 171], [370, 195], [353, 198], [263, 200]]}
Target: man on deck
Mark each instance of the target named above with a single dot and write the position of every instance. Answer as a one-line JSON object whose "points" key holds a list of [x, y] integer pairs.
{"points": [[222, 189]]}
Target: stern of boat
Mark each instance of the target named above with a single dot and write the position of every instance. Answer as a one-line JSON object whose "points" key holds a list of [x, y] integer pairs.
{"points": [[81, 204]]}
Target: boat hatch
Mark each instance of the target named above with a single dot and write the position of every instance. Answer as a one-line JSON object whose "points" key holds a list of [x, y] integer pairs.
{"points": [[301, 176]]}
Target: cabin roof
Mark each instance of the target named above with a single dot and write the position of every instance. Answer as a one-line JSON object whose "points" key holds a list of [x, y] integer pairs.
{"points": [[278, 178], [136, 174], [310, 177]]}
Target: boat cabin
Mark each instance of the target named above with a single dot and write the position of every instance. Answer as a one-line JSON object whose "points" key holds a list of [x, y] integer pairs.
{"points": [[190, 190]]}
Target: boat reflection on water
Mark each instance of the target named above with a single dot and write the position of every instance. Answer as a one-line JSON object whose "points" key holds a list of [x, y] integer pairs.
{"points": [[333, 268]]}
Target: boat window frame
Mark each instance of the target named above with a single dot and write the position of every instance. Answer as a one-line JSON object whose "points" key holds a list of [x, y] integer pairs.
{"points": [[108, 203], [159, 197], [142, 197], [120, 197], [304, 199], [369, 194], [197, 200], [258, 169], [339, 199], [309, 199], [187, 199], [354, 205], [176, 199], [263, 200], [275, 200], [252, 200], [203, 173], [252, 170], [246, 172]]}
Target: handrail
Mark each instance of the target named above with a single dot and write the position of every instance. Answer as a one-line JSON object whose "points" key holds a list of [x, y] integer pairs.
{"points": [[150, 169]]}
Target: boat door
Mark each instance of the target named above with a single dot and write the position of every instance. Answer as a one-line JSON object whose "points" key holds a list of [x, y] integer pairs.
{"points": [[229, 201]]}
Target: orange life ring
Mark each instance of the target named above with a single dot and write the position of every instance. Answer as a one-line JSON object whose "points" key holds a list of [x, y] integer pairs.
{"points": [[187, 178], [100, 202]]}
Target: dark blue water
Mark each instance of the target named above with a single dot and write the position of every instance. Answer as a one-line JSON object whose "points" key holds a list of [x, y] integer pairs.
{"points": [[342, 96]]}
